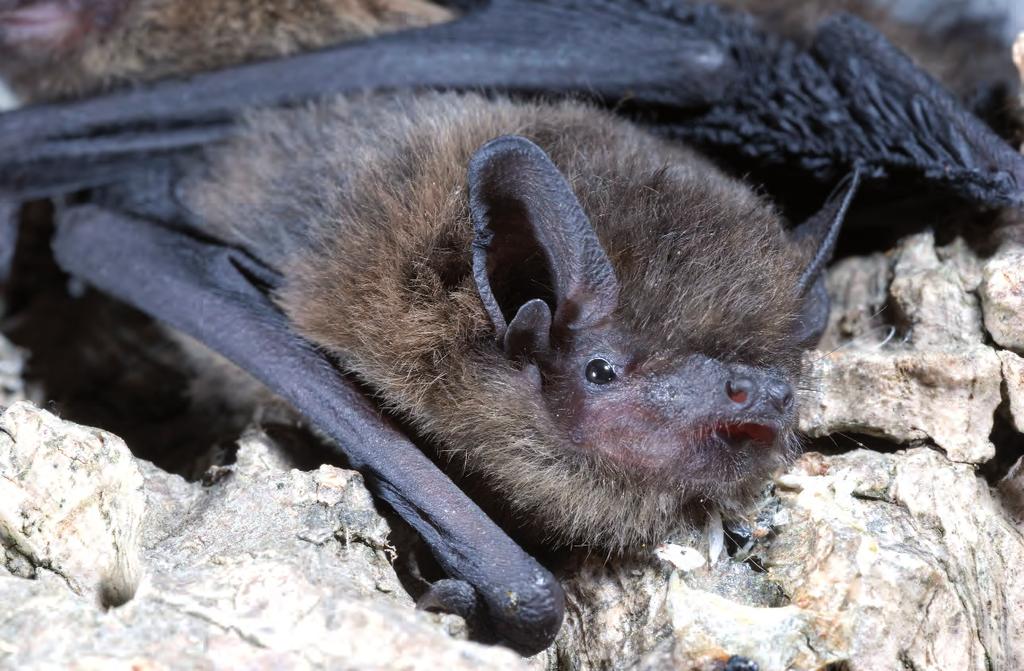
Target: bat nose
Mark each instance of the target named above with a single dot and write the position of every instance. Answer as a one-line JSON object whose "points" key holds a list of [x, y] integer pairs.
{"points": [[745, 392], [780, 394], [740, 390]]}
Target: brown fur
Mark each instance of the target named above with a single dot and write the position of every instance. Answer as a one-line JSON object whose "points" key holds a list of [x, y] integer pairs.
{"points": [[364, 203], [149, 39]]}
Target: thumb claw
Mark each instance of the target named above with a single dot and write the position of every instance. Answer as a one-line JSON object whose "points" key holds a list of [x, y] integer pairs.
{"points": [[450, 596]]}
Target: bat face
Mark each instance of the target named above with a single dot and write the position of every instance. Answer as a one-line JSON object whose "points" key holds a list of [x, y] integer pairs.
{"points": [[701, 422], [653, 376], [553, 295]]}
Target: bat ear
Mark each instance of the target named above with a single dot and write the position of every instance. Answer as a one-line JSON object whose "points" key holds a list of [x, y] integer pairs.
{"points": [[813, 315], [537, 262], [819, 234]]}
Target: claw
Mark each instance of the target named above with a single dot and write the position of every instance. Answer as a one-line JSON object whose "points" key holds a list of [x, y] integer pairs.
{"points": [[450, 596]]}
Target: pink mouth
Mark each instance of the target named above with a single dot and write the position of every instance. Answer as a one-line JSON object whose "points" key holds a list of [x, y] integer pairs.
{"points": [[759, 433]]}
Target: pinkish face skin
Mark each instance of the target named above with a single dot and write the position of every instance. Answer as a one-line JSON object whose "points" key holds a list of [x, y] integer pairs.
{"points": [[694, 420]]}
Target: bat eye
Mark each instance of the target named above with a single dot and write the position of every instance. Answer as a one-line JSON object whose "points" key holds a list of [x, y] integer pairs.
{"points": [[599, 371]]}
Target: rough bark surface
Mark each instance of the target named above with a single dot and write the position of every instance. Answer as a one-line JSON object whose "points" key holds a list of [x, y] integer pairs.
{"points": [[905, 358], [109, 562]]}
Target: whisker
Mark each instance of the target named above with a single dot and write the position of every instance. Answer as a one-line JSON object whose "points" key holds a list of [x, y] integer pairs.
{"points": [[872, 333], [851, 439]]}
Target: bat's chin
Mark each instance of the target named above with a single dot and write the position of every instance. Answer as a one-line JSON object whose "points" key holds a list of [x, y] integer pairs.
{"points": [[705, 455], [732, 452], [632, 491]]}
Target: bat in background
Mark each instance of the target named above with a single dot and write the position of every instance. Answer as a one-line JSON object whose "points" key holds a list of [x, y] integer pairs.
{"points": [[596, 322], [55, 49]]}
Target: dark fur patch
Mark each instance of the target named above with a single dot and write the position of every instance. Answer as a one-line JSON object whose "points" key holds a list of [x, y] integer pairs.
{"points": [[961, 51]]}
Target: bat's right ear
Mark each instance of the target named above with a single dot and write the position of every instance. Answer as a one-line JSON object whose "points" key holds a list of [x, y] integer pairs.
{"points": [[539, 268], [819, 234]]}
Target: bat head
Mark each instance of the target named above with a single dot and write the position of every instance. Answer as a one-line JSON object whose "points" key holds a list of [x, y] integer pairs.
{"points": [[681, 415]]}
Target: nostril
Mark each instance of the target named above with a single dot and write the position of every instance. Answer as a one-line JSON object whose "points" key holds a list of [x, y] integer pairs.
{"points": [[781, 395], [738, 390]]}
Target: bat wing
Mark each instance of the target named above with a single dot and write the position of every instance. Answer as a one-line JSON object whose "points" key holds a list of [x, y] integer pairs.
{"points": [[611, 50], [855, 100], [692, 71], [219, 296]]}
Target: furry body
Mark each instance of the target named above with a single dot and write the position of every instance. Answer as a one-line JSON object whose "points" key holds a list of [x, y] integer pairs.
{"points": [[363, 203]]}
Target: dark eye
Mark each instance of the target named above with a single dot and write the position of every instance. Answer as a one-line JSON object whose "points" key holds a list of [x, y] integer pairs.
{"points": [[600, 371]]}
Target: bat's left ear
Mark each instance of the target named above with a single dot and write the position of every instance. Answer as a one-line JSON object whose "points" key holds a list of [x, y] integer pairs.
{"points": [[539, 267], [819, 234]]}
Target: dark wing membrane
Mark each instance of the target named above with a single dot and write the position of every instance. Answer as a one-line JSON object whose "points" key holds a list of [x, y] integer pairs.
{"points": [[854, 99], [9, 211], [611, 50], [692, 70]]}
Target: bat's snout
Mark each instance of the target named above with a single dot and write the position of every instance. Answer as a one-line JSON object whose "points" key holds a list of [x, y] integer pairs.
{"points": [[705, 391], [765, 392], [756, 404]]}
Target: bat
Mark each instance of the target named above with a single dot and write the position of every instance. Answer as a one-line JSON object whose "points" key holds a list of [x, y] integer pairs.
{"points": [[550, 292], [508, 318]]}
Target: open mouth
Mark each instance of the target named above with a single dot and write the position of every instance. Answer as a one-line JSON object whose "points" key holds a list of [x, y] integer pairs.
{"points": [[758, 433]]}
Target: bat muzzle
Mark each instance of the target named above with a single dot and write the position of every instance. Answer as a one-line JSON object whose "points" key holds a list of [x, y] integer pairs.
{"points": [[737, 398]]}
